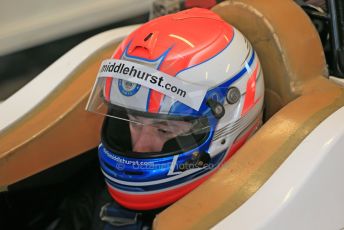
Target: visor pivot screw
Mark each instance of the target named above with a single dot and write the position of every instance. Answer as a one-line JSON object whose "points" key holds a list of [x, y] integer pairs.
{"points": [[216, 108], [233, 95]]}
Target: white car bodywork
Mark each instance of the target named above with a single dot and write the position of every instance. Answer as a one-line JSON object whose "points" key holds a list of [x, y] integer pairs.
{"points": [[306, 192], [32, 94]]}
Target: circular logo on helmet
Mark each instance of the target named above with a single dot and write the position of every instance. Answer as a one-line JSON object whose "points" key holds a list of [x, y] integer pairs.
{"points": [[128, 88]]}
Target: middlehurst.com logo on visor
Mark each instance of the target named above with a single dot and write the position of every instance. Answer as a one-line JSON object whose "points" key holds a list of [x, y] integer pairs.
{"points": [[189, 94]]}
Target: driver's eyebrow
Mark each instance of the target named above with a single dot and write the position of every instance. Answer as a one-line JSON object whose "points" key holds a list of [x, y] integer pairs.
{"points": [[185, 126], [163, 123], [136, 119]]}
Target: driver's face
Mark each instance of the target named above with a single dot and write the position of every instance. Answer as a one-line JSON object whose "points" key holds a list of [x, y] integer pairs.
{"points": [[150, 135]]}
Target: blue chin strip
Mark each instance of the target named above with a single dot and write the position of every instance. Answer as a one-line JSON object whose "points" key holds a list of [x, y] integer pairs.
{"points": [[150, 174]]}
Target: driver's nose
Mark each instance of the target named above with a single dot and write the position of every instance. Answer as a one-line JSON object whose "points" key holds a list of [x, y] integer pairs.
{"points": [[146, 139]]}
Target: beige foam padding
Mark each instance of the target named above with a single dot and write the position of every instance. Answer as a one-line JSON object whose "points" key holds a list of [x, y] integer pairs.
{"points": [[294, 70], [57, 130], [287, 44]]}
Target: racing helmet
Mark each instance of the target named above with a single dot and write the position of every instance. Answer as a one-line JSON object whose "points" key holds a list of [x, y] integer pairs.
{"points": [[180, 95]]}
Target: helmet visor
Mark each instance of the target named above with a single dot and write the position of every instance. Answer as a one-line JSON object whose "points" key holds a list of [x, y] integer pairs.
{"points": [[129, 132], [159, 112]]}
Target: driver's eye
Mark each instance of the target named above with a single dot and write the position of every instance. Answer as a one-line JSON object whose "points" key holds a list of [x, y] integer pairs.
{"points": [[164, 131]]}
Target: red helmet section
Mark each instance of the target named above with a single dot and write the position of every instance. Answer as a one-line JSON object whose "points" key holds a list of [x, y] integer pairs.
{"points": [[206, 36]]}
